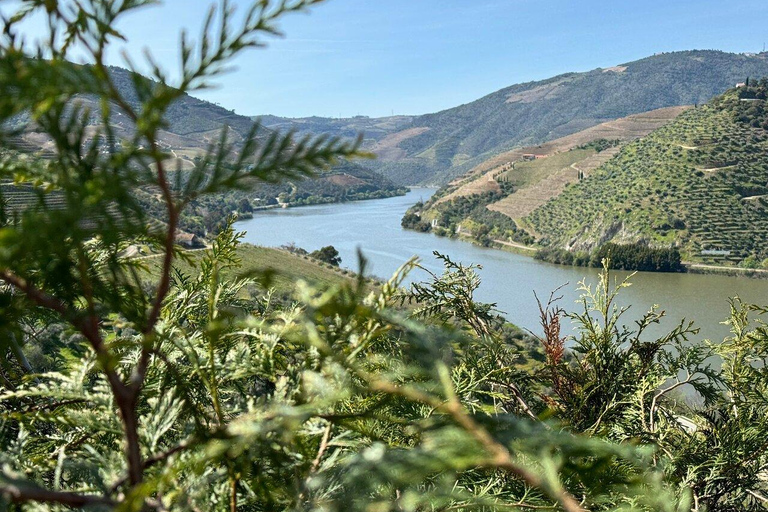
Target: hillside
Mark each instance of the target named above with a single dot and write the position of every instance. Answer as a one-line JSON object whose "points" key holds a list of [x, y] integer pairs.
{"points": [[697, 183], [288, 268], [700, 183], [550, 158], [194, 124], [435, 148], [374, 129], [347, 181], [490, 201]]}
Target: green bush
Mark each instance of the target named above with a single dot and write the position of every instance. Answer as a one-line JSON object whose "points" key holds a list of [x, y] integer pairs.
{"points": [[180, 384]]}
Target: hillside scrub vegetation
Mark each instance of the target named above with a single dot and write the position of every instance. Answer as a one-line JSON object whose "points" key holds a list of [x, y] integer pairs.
{"points": [[468, 216], [177, 383]]}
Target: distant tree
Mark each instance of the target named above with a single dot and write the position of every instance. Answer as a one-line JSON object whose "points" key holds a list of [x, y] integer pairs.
{"points": [[293, 248], [750, 262], [412, 221], [245, 206], [328, 254]]}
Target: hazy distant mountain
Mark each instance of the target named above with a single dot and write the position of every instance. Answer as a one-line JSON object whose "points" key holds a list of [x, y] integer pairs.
{"points": [[192, 123], [434, 148]]}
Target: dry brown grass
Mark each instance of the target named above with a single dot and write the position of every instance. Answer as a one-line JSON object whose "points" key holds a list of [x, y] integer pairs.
{"points": [[387, 148]]}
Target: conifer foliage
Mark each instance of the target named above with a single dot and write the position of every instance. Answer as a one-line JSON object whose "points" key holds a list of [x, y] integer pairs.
{"points": [[128, 388]]}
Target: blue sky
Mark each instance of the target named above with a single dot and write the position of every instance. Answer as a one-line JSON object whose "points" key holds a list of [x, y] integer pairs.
{"points": [[377, 57]]}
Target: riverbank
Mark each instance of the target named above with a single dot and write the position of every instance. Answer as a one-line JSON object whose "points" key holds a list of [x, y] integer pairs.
{"points": [[690, 267], [318, 200], [701, 268], [509, 276], [526, 250]]}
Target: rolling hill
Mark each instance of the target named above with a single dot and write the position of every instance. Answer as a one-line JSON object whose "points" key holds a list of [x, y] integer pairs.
{"points": [[699, 183], [194, 124], [490, 201], [436, 148], [511, 167]]}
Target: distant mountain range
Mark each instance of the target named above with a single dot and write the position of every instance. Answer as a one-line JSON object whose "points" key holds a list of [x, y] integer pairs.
{"points": [[435, 148]]}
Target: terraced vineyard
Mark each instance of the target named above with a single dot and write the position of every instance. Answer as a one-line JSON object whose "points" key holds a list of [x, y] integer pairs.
{"points": [[549, 178], [482, 178], [506, 188], [17, 198], [698, 183]]}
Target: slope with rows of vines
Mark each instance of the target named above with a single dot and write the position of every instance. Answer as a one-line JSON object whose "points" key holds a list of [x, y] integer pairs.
{"points": [[699, 183]]}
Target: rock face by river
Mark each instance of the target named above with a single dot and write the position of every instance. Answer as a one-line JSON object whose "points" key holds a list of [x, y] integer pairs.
{"points": [[509, 280]]}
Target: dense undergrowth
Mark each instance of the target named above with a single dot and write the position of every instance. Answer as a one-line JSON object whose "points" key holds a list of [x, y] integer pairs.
{"points": [[467, 216], [179, 382], [619, 256]]}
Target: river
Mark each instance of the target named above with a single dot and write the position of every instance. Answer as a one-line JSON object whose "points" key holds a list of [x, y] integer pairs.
{"points": [[508, 279]]}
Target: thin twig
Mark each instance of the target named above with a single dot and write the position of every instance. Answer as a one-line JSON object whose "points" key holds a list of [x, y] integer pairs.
{"points": [[501, 458]]}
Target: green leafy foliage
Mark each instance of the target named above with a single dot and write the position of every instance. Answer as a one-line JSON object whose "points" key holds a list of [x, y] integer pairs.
{"points": [[327, 254], [179, 381], [471, 214], [619, 256]]}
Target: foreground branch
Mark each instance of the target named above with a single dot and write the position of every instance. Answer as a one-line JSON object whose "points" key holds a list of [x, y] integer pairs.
{"points": [[501, 458], [18, 493]]}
